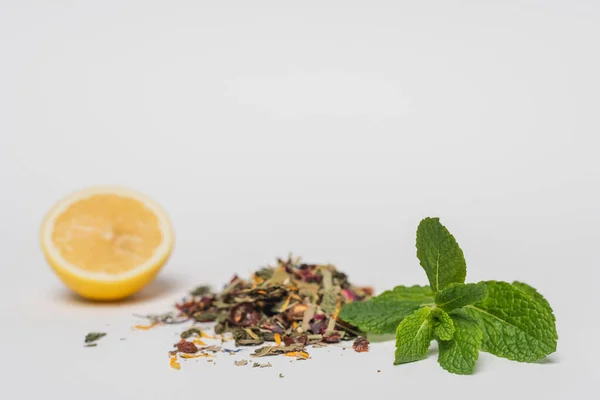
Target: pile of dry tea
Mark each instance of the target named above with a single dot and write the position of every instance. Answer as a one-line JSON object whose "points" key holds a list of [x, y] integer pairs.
{"points": [[293, 304]]}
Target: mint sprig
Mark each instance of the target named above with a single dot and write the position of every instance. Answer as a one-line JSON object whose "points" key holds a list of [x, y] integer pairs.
{"points": [[513, 321]]}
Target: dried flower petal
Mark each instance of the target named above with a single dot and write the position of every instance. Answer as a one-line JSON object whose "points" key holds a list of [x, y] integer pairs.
{"points": [[244, 314], [361, 344], [333, 337], [173, 363], [186, 347]]}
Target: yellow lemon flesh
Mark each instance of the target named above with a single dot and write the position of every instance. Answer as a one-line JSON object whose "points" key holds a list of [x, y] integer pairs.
{"points": [[106, 243]]}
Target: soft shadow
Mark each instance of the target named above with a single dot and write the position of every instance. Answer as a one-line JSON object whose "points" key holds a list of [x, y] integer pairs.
{"points": [[377, 338], [552, 359], [162, 286]]}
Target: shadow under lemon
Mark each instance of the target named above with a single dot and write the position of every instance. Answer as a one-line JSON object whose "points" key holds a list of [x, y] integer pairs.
{"points": [[161, 287]]}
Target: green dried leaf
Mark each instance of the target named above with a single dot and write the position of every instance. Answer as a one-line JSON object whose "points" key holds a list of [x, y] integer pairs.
{"points": [[200, 291], [94, 336], [275, 350], [190, 332], [329, 302]]}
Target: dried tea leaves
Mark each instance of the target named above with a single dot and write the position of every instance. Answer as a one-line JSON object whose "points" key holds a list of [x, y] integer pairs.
{"points": [[259, 365], [292, 304], [191, 332], [92, 337], [275, 350], [292, 299]]}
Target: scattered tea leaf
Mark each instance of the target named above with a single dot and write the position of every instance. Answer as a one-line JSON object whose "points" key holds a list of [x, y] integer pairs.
{"points": [[94, 336], [300, 355], [190, 332], [200, 291], [274, 350], [241, 363], [258, 365]]}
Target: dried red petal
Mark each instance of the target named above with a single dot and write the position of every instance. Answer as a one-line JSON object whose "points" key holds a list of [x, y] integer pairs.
{"points": [[333, 337], [318, 327], [288, 340], [361, 344], [308, 275], [368, 291], [244, 314], [186, 347], [349, 295], [302, 339]]}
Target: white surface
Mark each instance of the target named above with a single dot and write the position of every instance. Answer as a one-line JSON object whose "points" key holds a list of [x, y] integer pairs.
{"points": [[329, 131]]}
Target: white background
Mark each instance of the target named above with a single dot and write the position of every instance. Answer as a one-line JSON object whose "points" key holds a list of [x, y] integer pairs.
{"points": [[325, 129]]}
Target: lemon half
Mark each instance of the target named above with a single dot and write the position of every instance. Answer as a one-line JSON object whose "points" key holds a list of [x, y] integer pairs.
{"points": [[107, 242]]}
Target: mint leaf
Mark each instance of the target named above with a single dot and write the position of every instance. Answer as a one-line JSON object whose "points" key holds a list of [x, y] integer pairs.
{"points": [[460, 354], [534, 294], [439, 254], [383, 313], [514, 325], [416, 293], [377, 316], [443, 327], [413, 336], [458, 295]]}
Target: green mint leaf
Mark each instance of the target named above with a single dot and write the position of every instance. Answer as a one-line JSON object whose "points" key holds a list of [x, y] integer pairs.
{"points": [[460, 354], [458, 295], [413, 336], [443, 327], [439, 254], [534, 294], [514, 324], [377, 316], [383, 313], [416, 293]]}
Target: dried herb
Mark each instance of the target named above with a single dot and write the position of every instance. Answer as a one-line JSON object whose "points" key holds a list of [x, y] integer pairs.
{"points": [[200, 291], [212, 349], [91, 345], [186, 347], [292, 304], [258, 365], [300, 355], [280, 375], [93, 336], [275, 350], [191, 332], [361, 344], [173, 362], [241, 363], [297, 301], [166, 318]]}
